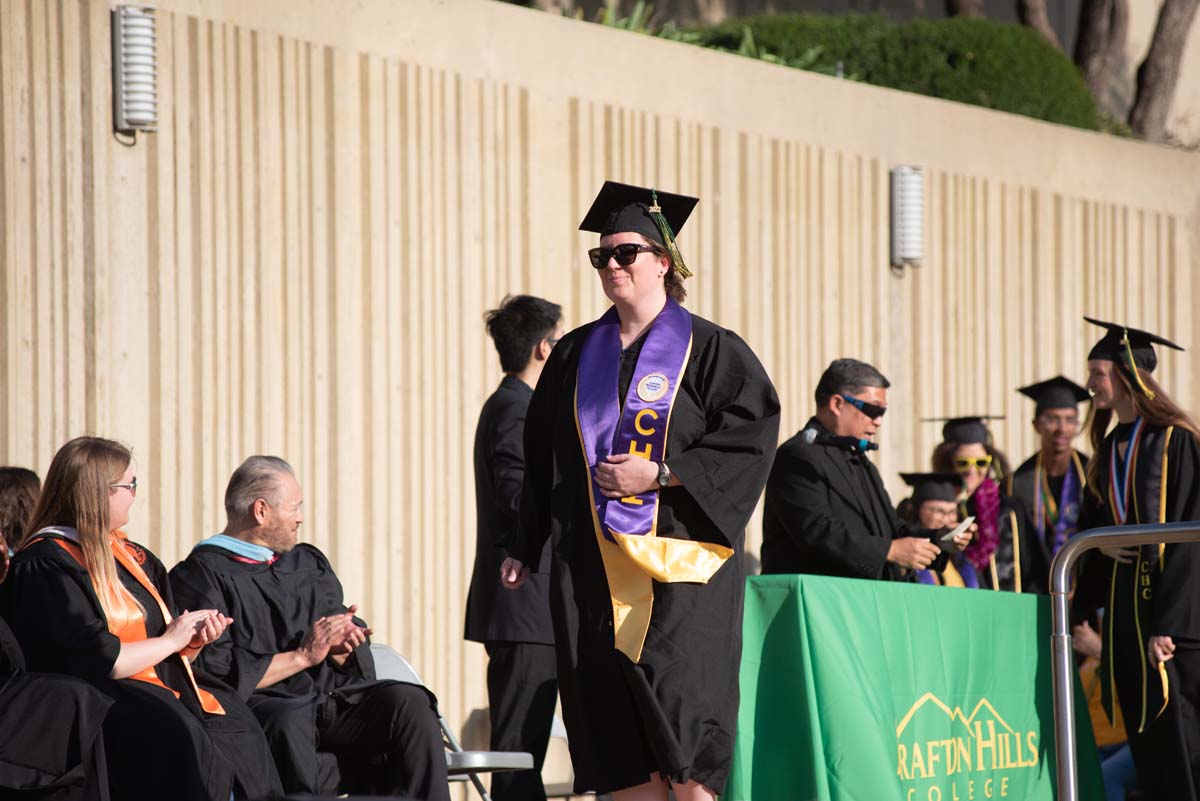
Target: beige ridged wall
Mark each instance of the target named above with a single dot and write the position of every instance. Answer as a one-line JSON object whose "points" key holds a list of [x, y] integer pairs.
{"points": [[298, 260]]}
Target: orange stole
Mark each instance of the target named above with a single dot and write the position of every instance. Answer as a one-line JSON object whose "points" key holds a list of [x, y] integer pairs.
{"points": [[131, 626]]}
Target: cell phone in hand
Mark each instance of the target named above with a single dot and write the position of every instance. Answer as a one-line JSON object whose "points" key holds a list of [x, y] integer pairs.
{"points": [[959, 529]]}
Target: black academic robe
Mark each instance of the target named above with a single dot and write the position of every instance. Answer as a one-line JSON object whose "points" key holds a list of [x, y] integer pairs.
{"points": [[273, 605], [1023, 485], [675, 712], [1155, 594], [158, 745], [828, 513], [51, 737]]}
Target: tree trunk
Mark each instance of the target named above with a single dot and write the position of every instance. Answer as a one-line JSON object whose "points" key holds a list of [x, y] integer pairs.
{"points": [[1033, 13], [1159, 73], [555, 6], [965, 8], [712, 12], [1103, 28]]}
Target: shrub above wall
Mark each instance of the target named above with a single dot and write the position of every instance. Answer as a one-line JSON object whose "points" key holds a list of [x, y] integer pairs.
{"points": [[1003, 67]]}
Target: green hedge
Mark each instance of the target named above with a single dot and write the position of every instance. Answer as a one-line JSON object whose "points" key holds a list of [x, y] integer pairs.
{"points": [[1004, 67]]}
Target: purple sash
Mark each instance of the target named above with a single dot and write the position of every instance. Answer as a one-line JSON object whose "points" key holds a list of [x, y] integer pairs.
{"points": [[639, 426], [1066, 523]]}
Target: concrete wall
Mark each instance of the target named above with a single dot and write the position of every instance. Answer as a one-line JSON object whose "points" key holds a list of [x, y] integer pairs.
{"points": [[298, 261]]}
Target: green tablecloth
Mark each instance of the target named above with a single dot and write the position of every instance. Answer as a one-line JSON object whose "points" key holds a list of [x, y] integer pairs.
{"points": [[871, 691]]}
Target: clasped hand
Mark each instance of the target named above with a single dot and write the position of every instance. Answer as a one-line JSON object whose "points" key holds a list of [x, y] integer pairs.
{"points": [[333, 636], [625, 474], [191, 631]]}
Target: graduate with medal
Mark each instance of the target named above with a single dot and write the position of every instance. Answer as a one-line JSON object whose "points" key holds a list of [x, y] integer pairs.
{"points": [[1050, 484], [1145, 471], [647, 445]]}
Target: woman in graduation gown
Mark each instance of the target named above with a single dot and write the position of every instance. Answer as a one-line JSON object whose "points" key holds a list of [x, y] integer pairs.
{"points": [[84, 600], [1146, 470], [647, 445], [51, 742], [999, 552]]}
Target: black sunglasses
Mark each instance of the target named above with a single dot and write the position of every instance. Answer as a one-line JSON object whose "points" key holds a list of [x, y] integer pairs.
{"points": [[625, 254], [869, 409]]}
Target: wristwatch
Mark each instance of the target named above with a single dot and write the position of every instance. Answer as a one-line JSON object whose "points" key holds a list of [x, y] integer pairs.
{"points": [[664, 475]]}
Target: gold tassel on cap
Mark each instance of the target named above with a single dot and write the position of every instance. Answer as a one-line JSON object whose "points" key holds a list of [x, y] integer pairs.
{"points": [[1137, 376], [668, 236]]}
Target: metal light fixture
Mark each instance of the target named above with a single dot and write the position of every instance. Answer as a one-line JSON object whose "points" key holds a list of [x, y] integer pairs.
{"points": [[134, 64], [908, 216]]}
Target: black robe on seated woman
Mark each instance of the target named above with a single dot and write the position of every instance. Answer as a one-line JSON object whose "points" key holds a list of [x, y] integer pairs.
{"points": [[158, 746], [51, 743]]}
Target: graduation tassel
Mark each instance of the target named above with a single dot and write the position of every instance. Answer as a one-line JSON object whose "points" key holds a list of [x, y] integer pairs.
{"points": [[668, 236], [1137, 376]]}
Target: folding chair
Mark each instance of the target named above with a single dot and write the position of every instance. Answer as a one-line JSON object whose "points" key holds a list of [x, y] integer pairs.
{"points": [[460, 765]]}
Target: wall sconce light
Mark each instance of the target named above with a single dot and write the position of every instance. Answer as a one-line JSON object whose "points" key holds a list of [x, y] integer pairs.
{"points": [[908, 216], [134, 66]]}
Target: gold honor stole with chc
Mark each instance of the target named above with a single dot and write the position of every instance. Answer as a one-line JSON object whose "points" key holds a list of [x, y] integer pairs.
{"points": [[626, 529]]}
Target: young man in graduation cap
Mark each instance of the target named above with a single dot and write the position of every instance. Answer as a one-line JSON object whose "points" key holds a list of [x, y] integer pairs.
{"points": [[1050, 483], [1146, 470], [934, 505]]}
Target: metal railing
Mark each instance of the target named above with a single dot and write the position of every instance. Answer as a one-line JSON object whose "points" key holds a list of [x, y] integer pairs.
{"points": [[1060, 638]]}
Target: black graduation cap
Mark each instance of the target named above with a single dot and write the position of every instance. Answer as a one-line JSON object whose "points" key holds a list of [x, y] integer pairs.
{"points": [[965, 430], [653, 214], [933, 486], [1121, 343], [1055, 393]]}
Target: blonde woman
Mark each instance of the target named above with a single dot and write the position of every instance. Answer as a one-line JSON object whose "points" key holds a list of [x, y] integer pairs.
{"points": [[84, 600]]}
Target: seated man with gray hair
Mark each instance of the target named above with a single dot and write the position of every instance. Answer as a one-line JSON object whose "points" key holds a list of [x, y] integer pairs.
{"points": [[298, 655], [827, 511]]}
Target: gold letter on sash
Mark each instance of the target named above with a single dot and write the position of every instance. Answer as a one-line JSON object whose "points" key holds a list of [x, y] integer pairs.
{"points": [[637, 422], [644, 452]]}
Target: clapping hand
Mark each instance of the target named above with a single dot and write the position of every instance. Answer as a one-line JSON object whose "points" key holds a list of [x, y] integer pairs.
{"points": [[326, 633], [209, 631], [185, 628], [353, 635]]}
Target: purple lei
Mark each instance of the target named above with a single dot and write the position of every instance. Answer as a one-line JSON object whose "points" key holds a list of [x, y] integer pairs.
{"points": [[987, 516]]}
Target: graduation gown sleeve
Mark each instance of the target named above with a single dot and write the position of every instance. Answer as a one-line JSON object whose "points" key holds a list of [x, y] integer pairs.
{"points": [[725, 469], [536, 516], [194, 587], [1177, 601], [50, 732], [69, 634]]}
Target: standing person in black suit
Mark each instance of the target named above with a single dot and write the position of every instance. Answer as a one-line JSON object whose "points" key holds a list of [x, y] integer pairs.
{"points": [[514, 626], [827, 511]]}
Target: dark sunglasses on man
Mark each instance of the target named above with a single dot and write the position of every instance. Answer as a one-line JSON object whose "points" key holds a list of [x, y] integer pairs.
{"points": [[625, 254], [869, 409]]}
